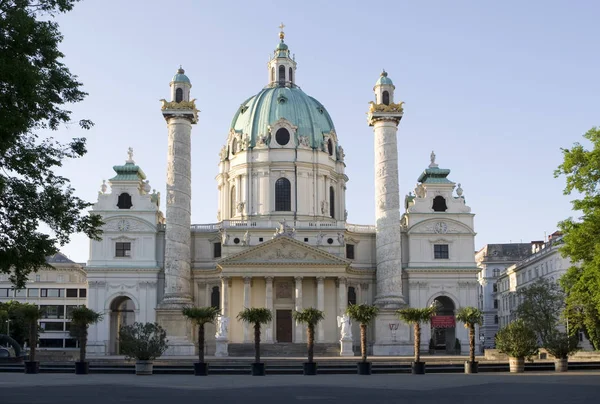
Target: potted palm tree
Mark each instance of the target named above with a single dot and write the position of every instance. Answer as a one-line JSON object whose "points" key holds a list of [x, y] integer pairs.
{"points": [[31, 314], [561, 345], [471, 317], [200, 316], [416, 316], [81, 318], [311, 318], [143, 342], [363, 314], [256, 316], [518, 342]]}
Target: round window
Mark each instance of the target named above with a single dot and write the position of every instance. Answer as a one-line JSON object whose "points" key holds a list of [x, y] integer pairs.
{"points": [[329, 241], [282, 136], [236, 240]]}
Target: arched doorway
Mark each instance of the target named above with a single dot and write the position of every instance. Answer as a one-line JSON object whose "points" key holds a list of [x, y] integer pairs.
{"points": [[443, 325], [122, 312]]}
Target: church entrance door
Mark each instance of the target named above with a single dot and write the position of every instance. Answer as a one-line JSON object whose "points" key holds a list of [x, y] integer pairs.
{"points": [[283, 322]]}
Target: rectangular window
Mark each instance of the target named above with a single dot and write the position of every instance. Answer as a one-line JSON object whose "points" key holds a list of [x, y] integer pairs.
{"points": [[38, 278], [33, 292], [47, 326], [51, 343], [123, 250], [495, 287], [217, 250], [53, 311], [4, 292], [440, 251], [71, 292], [60, 278], [350, 251], [70, 310], [495, 319], [495, 303], [82, 292], [21, 293], [70, 343]]}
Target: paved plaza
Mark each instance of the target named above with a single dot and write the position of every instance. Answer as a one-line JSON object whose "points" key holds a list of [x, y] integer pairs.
{"points": [[505, 388]]}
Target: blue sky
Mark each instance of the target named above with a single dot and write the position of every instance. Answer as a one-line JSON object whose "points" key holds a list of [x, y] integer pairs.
{"points": [[495, 88]]}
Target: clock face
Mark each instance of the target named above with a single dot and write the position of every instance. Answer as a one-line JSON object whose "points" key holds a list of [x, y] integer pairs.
{"points": [[441, 227], [123, 225]]}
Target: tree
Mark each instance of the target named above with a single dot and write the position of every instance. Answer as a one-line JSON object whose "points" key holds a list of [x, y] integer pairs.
{"points": [[416, 316], [31, 314], [200, 316], [81, 319], [35, 86], [364, 314], [541, 307], [311, 318], [256, 316], [471, 317], [581, 237], [17, 328], [561, 345], [143, 341], [517, 340]]}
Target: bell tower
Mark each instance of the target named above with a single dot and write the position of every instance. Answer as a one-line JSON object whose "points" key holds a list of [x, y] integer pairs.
{"points": [[282, 67]]}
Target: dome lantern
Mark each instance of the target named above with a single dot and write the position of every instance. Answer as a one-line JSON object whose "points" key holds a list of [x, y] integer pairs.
{"points": [[282, 67]]}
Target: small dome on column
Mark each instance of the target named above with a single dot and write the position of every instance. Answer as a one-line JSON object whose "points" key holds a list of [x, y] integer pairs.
{"points": [[180, 86], [384, 89]]}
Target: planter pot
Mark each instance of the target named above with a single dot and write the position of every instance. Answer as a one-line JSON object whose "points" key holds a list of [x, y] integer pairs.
{"points": [[258, 369], [82, 368], [561, 365], [32, 367], [364, 368], [471, 367], [517, 365], [143, 368], [200, 369], [418, 368], [310, 368]]}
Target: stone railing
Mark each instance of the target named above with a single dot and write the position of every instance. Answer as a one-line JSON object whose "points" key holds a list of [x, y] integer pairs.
{"points": [[274, 224]]}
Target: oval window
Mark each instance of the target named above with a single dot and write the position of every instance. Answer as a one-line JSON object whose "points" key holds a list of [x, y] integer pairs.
{"points": [[282, 136]]}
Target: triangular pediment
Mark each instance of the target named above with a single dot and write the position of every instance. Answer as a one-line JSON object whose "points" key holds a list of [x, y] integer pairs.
{"points": [[283, 251]]}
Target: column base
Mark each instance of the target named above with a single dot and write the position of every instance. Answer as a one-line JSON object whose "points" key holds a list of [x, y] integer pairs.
{"points": [[392, 336], [346, 347], [179, 331], [180, 347], [222, 347]]}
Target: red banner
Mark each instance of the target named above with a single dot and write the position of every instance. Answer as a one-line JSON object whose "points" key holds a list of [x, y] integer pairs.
{"points": [[443, 322]]}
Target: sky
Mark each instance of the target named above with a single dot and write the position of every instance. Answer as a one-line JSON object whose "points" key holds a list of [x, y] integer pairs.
{"points": [[494, 88]]}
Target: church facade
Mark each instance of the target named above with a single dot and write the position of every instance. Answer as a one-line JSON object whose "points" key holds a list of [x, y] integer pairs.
{"points": [[281, 239]]}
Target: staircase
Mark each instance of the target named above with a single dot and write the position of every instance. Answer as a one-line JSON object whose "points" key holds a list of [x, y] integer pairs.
{"points": [[283, 350]]}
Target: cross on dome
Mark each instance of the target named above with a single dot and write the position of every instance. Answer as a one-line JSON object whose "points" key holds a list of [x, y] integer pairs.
{"points": [[281, 33]]}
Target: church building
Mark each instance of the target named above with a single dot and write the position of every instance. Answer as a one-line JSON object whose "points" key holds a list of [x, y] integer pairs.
{"points": [[281, 239]]}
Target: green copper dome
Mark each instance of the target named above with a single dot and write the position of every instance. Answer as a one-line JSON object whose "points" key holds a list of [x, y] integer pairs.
{"points": [[384, 79], [291, 103], [180, 77]]}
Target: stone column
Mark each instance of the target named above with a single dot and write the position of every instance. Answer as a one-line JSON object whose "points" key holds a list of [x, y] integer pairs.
{"points": [[222, 338], [320, 306], [387, 209], [225, 296], [247, 304], [269, 305], [298, 307], [342, 296]]}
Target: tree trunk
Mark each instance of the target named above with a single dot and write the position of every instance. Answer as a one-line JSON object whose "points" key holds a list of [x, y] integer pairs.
{"points": [[472, 342], [363, 342], [32, 339], [310, 331], [257, 343], [82, 343], [201, 343], [417, 342]]}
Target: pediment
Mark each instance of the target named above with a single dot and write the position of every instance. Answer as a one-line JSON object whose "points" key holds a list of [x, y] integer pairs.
{"points": [[440, 226], [282, 251], [127, 224]]}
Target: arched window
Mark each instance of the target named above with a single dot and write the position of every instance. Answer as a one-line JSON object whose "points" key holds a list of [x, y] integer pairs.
{"points": [[281, 75], [290, 75], [215, 297], [330, 147], [439, 204], [272, 74], [283, 195], [351, 295], [332, 202], [178, 95], [124, 201], [234, 147], [386, 98], [233, 201]]}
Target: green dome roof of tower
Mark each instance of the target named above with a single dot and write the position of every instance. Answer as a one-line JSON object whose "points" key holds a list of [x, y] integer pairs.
{"points": [[290, 103], [384, 79], [282, 46], [180, 77]]}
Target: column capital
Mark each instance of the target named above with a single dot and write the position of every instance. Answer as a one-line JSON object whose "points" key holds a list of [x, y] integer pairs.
{"points": [[341, 280], [269, 279], [320, 279], [298, 278], [224, 278], [364, 286], [247, 280]]}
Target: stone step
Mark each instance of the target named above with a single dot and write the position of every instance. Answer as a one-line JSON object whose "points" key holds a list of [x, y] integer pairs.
{"points": [[283, 349]]}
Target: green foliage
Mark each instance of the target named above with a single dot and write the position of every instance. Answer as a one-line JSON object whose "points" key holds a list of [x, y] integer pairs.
{"points": [[470, 316], [581, 237], [541, 307], [255, 315], [31, 313], [517, 340], [561, 345], [201, 315], [34, 87], [143, 341], [81, 319], [309, 316], [362, 313], [413, 315], [18, 328]]}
